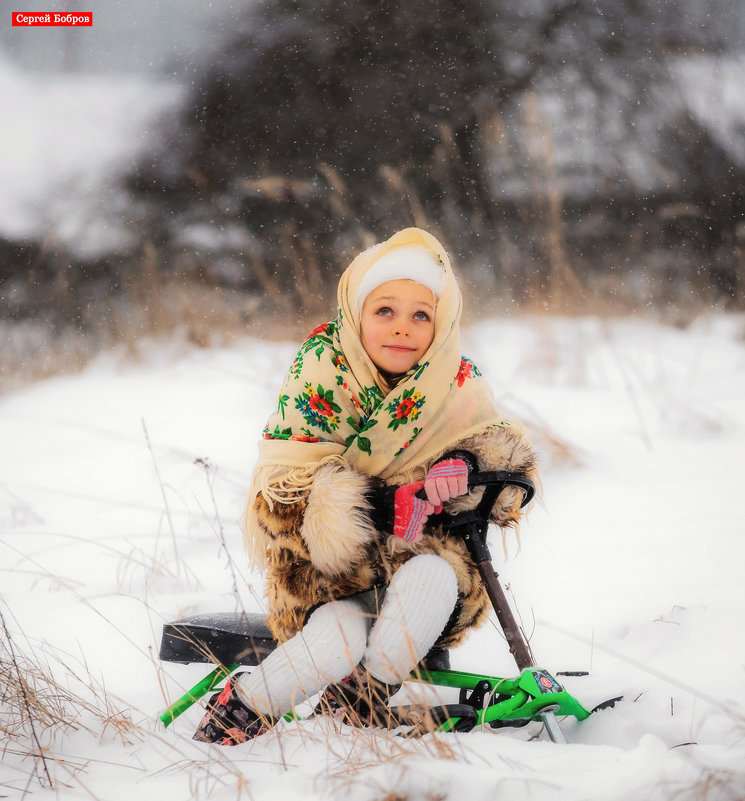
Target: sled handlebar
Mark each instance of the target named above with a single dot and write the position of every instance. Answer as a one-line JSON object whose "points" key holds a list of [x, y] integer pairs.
{"points": [[502, 479], [494, 483]]}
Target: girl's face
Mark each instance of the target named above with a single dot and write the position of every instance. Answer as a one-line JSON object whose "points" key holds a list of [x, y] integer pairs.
{"points": [[397, 325]]}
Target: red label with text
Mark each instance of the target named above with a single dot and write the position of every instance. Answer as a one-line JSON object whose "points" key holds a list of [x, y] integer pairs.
{"points": [[52, 19]]}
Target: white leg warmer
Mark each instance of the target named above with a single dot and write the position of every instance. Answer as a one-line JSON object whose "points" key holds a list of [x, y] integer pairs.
{"points": [[417, 606], [328, 648]]}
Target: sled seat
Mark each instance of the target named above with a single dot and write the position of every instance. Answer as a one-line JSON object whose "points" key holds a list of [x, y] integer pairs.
{"points": [[237, 638], [227, 638]]}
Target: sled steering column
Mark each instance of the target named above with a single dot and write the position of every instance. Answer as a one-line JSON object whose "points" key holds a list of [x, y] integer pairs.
{"points": [[472, 526]]}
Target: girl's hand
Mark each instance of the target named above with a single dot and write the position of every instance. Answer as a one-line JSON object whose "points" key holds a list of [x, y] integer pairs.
{"points": [[410, 512], [446, 480]]}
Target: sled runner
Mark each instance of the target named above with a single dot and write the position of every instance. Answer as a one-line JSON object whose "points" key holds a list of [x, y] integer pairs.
{"points": [[243, 639]]}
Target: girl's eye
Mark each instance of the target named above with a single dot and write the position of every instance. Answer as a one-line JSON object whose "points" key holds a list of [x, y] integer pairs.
{"points": [[420, 315], [384, 310]]}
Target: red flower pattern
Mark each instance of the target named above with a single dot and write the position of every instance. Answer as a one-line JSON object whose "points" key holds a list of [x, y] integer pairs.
{"points": [[320, 405], [464, 371], [405, 408], [319, 329]]}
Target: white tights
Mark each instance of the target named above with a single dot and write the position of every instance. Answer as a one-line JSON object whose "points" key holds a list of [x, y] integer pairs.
{"points": [[341, 634]]}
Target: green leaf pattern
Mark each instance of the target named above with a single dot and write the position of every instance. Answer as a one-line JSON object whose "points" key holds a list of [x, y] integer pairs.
{"points": [[327, 405]]}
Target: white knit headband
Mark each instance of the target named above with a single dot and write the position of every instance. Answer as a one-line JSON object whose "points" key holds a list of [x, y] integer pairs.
{"points": [[411, 262]]}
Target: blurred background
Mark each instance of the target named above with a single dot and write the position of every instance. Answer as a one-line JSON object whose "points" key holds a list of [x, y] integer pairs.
{"points": [[206, 170]]}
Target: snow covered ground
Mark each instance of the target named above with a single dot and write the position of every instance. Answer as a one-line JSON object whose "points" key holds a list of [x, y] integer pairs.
{"points": [[120, 495]]}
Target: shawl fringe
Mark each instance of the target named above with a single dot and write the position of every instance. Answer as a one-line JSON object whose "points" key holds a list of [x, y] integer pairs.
{"points": [[278, 484]]}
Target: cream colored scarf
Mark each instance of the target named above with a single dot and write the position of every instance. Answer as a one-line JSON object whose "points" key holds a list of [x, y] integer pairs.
{"points": [[335, 405]]}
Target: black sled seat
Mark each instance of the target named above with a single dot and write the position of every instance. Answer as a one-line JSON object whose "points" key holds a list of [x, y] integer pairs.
{"points": [[227, 638], [237, 638]]}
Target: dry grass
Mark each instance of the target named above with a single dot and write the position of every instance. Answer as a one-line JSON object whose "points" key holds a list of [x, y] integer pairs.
{"points": [[155, 305], [38, 710], [40, 713], [528, 266], [161, 307]]}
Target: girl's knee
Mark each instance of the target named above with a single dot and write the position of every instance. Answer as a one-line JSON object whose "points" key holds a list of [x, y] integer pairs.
{"points": [[425, 571], [339, 626]]}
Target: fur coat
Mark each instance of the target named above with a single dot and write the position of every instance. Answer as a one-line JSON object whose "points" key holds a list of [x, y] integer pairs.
{"points": [[325, 547]]}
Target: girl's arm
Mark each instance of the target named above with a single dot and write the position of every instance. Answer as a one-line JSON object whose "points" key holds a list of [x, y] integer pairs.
{"points": [[336, 525]]}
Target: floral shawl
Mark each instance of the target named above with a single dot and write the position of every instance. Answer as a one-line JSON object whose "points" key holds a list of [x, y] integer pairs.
{"points": [[335, 405]]}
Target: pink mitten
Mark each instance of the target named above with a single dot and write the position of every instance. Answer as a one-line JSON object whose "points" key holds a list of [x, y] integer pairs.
{"points": [[446, 480], [410, 512]]}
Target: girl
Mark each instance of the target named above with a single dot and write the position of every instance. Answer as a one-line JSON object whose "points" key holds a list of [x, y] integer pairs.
{"points": [[378, 406]]}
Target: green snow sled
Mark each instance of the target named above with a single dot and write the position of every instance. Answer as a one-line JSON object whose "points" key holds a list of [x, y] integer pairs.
{"points": [[232, 640]]}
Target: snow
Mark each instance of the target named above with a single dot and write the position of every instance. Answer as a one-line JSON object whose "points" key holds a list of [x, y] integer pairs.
{"points": [[713, 89], [66, 143], [121, 491]]}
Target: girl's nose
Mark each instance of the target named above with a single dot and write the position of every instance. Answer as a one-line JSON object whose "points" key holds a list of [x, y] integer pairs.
{"points": [[401, 328]]}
